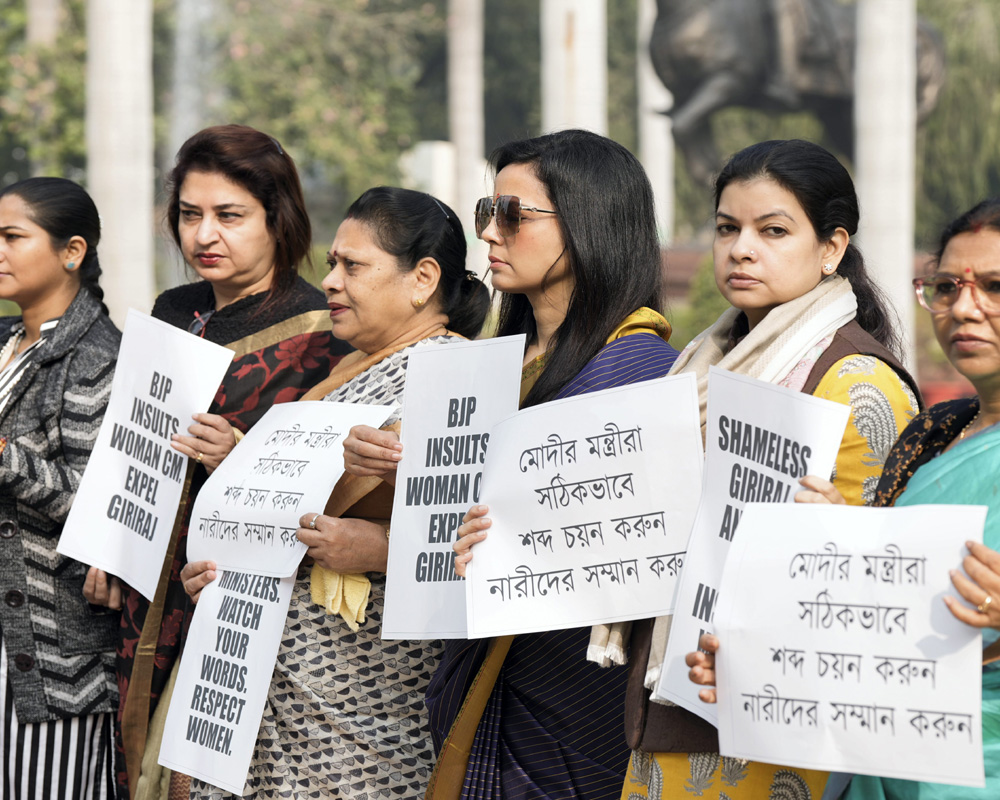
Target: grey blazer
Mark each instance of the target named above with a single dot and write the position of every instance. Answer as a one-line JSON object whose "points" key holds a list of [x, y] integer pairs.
{"points": [[60, 649]]}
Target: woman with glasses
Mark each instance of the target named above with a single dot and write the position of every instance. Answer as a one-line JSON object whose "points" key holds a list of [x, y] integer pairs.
{"points": [[806, 316], [574, 253], [57, 361], [345, 714], [949, 455], [236, 211]]}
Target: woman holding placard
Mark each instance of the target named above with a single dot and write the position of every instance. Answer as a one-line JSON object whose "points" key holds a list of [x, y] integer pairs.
{"points": [[948, 455], [57, 362], [574, 252], [345, 714], [805, 315], [238, 216]]}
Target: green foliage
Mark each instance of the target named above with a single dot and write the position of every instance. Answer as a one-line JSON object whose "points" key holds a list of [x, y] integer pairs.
{"points": [[703, 307], [623, 92], [332, 79], [512, 52], [958, 152], [42, 92]]}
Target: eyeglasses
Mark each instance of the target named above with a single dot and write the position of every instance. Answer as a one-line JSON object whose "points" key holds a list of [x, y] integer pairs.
{"points": [[507, 210], [938, 293], [197, 326]]}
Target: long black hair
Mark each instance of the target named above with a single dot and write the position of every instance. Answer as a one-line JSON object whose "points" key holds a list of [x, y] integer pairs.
{"points": [[824, 189], [63, 209], [606, 216], [413, 225]]}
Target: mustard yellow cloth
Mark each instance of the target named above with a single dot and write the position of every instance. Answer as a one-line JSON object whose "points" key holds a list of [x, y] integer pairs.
{"points": [[881, 406], [341, 593]]}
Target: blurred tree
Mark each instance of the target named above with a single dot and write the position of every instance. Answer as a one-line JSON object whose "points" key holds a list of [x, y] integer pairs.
{"points": [[42, 93], [958, 150], [332, 79]]}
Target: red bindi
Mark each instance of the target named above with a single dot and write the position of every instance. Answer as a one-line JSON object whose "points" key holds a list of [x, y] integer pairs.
{"points": [[968, 270]]}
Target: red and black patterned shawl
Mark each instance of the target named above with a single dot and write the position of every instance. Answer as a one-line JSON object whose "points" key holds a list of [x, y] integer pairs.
{"points": [[282, 350]]}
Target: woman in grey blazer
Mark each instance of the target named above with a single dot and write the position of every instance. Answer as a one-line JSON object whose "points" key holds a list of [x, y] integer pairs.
{"points": [[57, 679]]}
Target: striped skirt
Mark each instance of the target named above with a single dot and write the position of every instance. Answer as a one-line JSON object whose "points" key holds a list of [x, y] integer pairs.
{"points": [[65, 759]]}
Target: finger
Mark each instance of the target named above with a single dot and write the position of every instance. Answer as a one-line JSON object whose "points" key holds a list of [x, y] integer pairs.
{"points": [[987, 555], [970, 591], [177, 442], [93, 585], [708, 643], [380, 438], [310, 520], [466, 543], [206, 433], [475, 511], [215, 421], [963, 613], [362, 451], [986, 579], [707, 696], [825, 490], [115, 594], [696, 658], [474, 526], [703, 676]]}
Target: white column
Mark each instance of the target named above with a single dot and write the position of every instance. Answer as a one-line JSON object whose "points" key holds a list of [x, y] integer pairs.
{"points": [[465, 115], [885, 135], [656, 139], [575, 65], [119, 125]]}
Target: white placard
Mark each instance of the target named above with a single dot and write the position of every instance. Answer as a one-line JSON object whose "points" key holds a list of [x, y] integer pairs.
{"points": [[837, 651], [454, 394], [247, 512], [128, 498], [223, 678], [592, 500], [759, 440]]}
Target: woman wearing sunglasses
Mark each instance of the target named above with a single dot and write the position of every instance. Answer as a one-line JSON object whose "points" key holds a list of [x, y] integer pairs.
{"points": [[805, 315], [237, 214], [574, 252], [949, 455]]}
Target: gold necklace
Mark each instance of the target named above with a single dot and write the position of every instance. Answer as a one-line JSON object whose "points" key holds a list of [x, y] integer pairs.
{"points": [[969, 424]]}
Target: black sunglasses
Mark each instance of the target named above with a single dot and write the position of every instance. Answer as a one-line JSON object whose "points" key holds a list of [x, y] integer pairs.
{"points": [[506, 209]]}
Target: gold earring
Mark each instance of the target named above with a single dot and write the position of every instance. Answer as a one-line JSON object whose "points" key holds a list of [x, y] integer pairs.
{"points": [[417, 302]]}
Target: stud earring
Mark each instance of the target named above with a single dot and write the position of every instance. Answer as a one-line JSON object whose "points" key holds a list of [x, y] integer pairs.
{"points": [[828, 268], [71, 266], [417, 302]]}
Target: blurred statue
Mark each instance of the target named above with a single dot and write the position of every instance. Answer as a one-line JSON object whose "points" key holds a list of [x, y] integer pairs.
{"points": [[773, 55]]}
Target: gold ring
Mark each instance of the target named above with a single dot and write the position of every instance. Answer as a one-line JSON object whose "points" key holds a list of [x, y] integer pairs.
{"points": [[198, 458], [981, 608], [312, 522]]}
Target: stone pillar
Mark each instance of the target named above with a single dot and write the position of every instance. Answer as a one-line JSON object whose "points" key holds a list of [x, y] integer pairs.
{"points": [[885, 135], [656, 140], [119, 129], [575, 65]]}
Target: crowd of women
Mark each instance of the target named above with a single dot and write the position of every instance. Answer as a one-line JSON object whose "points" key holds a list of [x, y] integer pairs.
{"points": [[88, 664]]}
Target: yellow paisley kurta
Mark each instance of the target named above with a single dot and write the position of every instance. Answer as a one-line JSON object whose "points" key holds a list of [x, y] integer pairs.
{"points": [[881, 406]]}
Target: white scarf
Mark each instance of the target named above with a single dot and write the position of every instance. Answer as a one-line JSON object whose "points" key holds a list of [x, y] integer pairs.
{"points": [[769, 352]]}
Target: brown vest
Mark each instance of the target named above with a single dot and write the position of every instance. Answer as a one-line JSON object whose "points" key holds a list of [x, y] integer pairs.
{"points": [[657, 728]]}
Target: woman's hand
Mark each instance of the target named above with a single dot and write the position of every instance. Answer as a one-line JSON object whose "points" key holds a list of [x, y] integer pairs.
{"points": [[470, 532], [982, 565], [102, 589], [702, 666], [818, 490], [196, 575], [211, 440], [369, 452], [344, 545]]}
